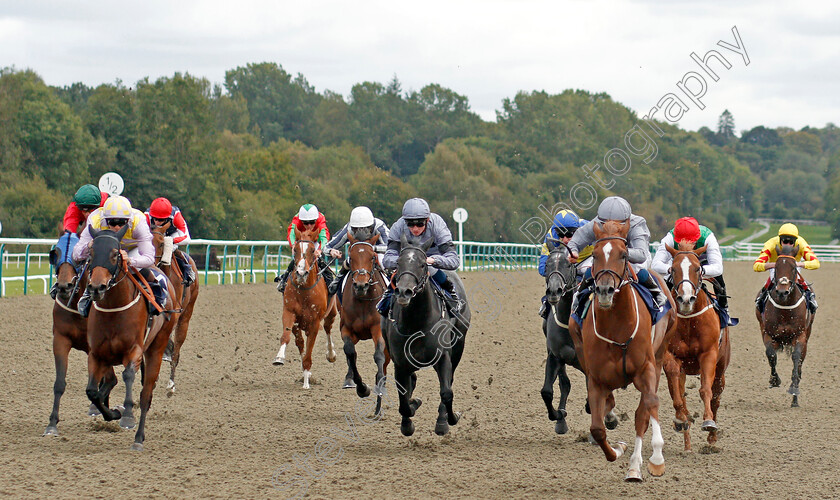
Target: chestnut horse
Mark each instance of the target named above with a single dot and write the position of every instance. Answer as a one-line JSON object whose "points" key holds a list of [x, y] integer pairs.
{"points": [[117, 331], [69, 327], [786, 320], [306, 304], [185, 297], [699, 346], [359, 317], [617, 345]]}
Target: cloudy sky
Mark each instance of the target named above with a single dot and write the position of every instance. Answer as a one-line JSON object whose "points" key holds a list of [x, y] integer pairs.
{"points": [[636, 51]]}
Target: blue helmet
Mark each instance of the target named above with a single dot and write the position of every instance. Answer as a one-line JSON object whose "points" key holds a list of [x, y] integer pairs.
{"points": [[566, 219]]}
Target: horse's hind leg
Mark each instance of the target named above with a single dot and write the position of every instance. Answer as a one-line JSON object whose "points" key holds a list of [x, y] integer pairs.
{"points": [[127, 421], [561, 427], [676, 386], [180, 335], [610, 420], [647, 414], [151, 359], [717, 390], [446, 416], [362, 390], [597, 397], [770, 350], [328, 322], [61, 350], [552, 368], [288, 324], [408, 406], [797, 356], [708, 364]]}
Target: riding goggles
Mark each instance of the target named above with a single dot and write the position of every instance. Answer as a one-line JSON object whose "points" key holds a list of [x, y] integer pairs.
{"points": [[415, 222], [788, 240], [117, 222]]}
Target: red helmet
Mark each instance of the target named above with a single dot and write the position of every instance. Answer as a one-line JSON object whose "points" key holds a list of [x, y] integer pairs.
{"points": [[160, 209], [686, 228]]}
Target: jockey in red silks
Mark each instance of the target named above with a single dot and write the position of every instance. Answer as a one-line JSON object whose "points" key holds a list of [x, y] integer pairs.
{"points": [[307, 219], [160, 213]]}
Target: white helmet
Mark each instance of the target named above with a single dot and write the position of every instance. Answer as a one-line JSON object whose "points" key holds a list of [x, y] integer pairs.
{"points": [[361, 217], [308, 212]]}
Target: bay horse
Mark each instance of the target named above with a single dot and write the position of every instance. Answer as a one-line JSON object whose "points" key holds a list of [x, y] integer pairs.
{"points": [[699, 345], [560, 285], [69, 327], [786, 320], [185, 297], [117, 331], [617, 344], [420, 333], [359, 318], [305, 304]]}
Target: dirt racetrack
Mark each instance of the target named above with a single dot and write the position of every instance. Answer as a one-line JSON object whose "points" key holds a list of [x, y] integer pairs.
{"points": [[240, 427]]}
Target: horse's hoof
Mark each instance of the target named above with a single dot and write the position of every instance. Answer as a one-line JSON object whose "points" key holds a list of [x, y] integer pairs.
{"points": [[407, 427], [114, 415], [453, 418], [795, 402], [709, 426], [591, 440], [679, 426], [415, 403], [622, 447], [441, 428], [93, 411], [279, 361], [611, 421], [127, 422], [136, 446], [51, 431], [656, 470], [561, 427], [775, 381], [362, 390], [331, 359], [349, 384], [633, 476], [167, 358]]}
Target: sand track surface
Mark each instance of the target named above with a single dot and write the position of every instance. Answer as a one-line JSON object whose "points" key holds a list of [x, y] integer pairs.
{"points": [[240, 427]]}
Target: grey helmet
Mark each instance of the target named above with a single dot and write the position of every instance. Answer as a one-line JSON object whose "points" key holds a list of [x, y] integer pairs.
{"points": [[416, 208], [614, 208]]}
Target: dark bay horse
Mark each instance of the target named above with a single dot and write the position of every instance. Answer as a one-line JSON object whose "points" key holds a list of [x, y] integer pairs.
{"points": [[419, 333], [786, 321], [699, 345], [185, 297], [117, 331], [359, 317], [69, 327], [305, 305], [617, 345]]}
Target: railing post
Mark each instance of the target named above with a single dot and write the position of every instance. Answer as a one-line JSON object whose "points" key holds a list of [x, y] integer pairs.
{"points": [[206, 264], [224, 264], [251, 278], [2, 283], [26, 270], [236, 265], [265, 264]]}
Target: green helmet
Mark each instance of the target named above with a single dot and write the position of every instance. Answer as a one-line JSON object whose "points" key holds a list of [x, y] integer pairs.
{"points": [[88, 195]]}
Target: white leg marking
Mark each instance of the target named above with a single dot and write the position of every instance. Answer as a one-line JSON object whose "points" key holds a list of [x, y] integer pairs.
{"points": [[607, 250], [636, 457], [657, 442], [306, 375], [282, 352]]}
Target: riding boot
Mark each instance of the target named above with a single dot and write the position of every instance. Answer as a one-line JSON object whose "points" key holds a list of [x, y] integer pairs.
{"points": [[334, 284], [384, 304], [328, 274], [585, 285], [453, 302], [281, 280], [652, 285], [156, 289], [811, 300], [761, 299], [186, 269], [720, 292], [543, 309], [54, 290], [84, 304]]}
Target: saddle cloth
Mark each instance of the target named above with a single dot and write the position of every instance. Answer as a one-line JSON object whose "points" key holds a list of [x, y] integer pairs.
{"points": [[584, 300]]}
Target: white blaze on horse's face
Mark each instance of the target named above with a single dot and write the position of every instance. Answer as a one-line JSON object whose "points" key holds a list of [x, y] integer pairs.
{"points": [[607, 250], [687, 290], [301, 265]]}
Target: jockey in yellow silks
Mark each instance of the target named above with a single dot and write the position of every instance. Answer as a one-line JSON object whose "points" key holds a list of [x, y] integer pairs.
{"points": [[788, 235]]}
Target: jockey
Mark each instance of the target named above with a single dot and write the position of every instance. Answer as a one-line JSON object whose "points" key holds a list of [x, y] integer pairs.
{"points": [[307, 219], [688, 229], [136, 245], [87, 199], [615, 208], [418, 222], [159, 214], [563, 227], [789, 235], [362, 223]]}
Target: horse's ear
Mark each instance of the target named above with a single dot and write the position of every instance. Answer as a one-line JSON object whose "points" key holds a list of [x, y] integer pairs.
{"points": [[350, 236], [672, 251], [624, 228], [428, 244], [122, 232], [373, 237], [54, 256], [778, 250], [796, 250], [701, 250], [296, 233], [93, 232], [598, 229]]}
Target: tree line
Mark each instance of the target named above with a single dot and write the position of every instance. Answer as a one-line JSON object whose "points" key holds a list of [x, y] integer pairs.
{"points": [[240, 157]]}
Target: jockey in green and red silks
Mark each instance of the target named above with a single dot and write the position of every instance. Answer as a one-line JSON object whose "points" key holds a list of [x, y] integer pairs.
{"points": [[307, 219]]}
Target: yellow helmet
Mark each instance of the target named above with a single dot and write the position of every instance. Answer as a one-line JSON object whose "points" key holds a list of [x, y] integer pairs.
{"points": [[116, 207], [789, 229]]}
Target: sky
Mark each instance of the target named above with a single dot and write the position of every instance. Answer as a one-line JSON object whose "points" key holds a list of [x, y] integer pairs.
{"points": [[635, 51]]}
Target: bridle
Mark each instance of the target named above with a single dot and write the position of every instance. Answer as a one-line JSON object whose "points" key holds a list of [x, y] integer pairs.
{"points": [[694, 288], [620, 279], [371, 280], [308, 270], [116, 275], [568, 283], [421, 282]]}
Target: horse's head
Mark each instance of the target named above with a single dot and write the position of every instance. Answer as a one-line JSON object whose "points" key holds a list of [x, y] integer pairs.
{"points": [[105, 260], [412, 270], [158, 234], [362, 261], [609, 259], [560, 274], [785, 273], [65, 271], [687, 274], [306, 243]]}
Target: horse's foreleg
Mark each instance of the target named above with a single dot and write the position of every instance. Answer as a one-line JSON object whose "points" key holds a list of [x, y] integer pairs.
{"points": [[306, 361], [408, 406], [328, 322], [796, 375], [676, 387], [107, 384], [770, 350], [552, 368], [647, 414], [61, 351], [285, 337], [708, 365], [131, 363], [717, 390], [610, 420], [561, 427], [597, 397], [380, 357], [353, 379], [446, 415], [180, 337]]}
